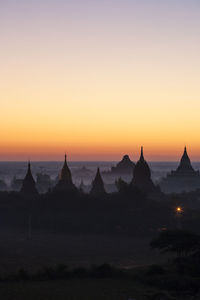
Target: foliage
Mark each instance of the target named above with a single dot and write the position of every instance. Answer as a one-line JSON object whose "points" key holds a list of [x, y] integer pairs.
{"points": [[181, 242]]}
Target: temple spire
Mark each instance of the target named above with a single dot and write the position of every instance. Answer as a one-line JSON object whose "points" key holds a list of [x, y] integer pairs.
{"points": [[185, 150], [185, 163], [142, 175], [65, 174], [183, 179], [65, 178], [98, 185], [28, 185], [29, 166], [141, 155], [98, 172]]}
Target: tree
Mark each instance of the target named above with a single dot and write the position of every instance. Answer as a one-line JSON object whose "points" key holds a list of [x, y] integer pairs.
{"points": [[182, 242]]}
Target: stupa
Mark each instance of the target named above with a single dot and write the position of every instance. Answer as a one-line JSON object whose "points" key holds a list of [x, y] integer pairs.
{"points": [[184, 178], [97, 185], [28, 184], [65, 178], [125, 166], [142, 175]]}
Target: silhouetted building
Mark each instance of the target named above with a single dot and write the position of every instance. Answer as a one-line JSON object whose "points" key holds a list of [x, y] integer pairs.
{"points": [[142, 175], [184, 178], [28, 184], [125, 166], [97, 185], [65, 178], [185, 166], [123, 169], [83, 172]]}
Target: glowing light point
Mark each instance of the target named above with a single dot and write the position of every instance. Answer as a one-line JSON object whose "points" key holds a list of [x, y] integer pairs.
{"points": [[179, 209]]}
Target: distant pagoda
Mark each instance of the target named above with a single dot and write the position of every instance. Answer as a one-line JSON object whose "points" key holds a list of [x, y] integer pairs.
{"points": [[142, 175], [28, 184], [65, 178], [184, 178], [185, 166], [125, 166], [123, 169], [97, 185]]}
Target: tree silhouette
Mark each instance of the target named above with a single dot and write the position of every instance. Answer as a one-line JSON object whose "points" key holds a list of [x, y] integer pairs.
{"points": [[181, 242]]}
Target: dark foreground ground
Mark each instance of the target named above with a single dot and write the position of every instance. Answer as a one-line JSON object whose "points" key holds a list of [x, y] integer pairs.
{"points": [[131, 255], [45, 249], [73, 250], [75, 290], [88, 289]]}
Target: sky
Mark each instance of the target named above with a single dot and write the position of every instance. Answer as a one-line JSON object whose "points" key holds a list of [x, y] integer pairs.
{"points": [[99, 78]]}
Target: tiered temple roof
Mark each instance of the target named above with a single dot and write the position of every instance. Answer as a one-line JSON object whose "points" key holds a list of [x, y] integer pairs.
{"points": [[184, 178], [185, 166]]}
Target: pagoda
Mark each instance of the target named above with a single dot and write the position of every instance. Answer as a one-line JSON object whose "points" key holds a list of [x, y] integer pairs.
{"points": [[185, 166], [142, 175], [97, 185], [184, 178], [65, 178], [125, 166], [123, 169], [28, 184]]}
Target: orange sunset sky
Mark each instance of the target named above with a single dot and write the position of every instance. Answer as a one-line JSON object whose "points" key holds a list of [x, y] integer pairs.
{"points": [[98, 79]]}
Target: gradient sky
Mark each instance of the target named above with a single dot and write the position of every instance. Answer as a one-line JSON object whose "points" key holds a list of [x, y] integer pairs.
{"points": [[99, 78]]}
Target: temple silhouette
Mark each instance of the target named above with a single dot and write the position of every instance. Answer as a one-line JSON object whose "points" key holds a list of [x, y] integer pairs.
{"points": [[142, 175], [98, 185], [65, 179], [28, 184], [184, 178], [125, 166]]}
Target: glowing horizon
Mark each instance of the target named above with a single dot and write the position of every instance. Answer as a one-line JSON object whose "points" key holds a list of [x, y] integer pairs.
{"points": [[98, 79], [113, 156]]}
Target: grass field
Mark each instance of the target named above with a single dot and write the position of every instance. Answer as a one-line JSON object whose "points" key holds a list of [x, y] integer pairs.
{"points": [[48, 249]]}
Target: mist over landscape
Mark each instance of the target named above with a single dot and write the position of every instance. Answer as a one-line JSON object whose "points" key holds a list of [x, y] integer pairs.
{"points": [[10, 169]]}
